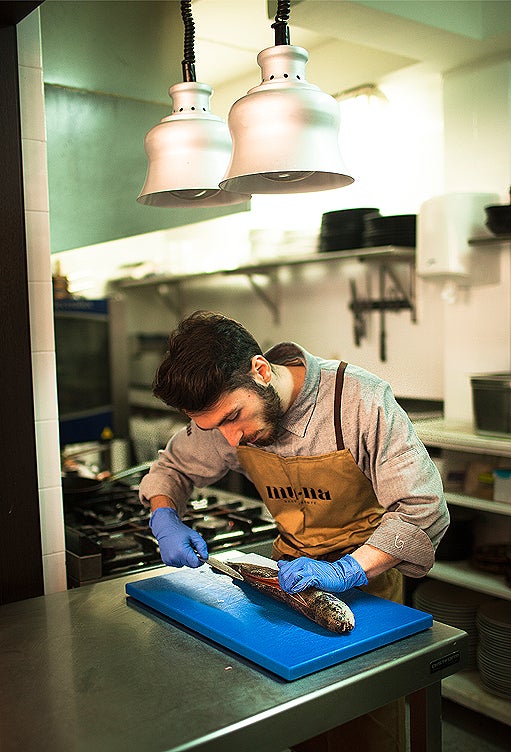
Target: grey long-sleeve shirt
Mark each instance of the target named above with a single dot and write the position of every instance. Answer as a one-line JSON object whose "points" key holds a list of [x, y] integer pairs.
{"points": [[376, 431]]}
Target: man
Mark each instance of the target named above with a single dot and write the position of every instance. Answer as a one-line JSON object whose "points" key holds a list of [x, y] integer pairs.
{"points": [[356, 498]]}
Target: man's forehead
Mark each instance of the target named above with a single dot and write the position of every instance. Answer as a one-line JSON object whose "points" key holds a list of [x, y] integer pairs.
{"points": [[215, 414]]}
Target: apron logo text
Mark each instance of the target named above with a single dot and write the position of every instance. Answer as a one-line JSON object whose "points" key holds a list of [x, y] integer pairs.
{"points": [[287, 493]]}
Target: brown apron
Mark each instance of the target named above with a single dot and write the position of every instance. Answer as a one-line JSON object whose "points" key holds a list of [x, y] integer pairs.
{"points": [[325, 507]]}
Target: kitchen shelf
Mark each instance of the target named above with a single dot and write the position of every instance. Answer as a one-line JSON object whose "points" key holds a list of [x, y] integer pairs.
{"points": [[436, 433], [466, 689], [463, 574], [169, 286], [474, 502], [490, 240], [269, 292], [378, 253]]}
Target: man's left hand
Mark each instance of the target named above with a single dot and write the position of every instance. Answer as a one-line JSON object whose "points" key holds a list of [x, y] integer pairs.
{"points": [[334, 577]]}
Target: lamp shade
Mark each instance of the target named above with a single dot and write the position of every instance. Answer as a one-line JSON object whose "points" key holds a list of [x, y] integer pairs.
{"points": [[188, 152], [285, 132]]}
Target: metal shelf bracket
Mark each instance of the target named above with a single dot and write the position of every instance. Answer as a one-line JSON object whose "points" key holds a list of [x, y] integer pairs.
{"points": [[171, 293], [271, 297], [395, 299]]}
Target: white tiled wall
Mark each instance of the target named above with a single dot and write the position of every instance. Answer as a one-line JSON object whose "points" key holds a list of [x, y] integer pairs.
{"points": [[33, 132], [477, 320]]}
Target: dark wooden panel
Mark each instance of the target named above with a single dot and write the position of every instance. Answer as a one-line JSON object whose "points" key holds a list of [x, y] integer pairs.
{"points": [[12, 13], [21, 574]]}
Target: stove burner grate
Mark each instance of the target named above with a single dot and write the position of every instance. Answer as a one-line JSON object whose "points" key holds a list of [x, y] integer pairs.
{"points": [[108, 535]]}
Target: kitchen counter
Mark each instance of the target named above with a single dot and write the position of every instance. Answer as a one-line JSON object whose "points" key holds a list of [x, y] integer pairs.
{"points": [[88, 670]]}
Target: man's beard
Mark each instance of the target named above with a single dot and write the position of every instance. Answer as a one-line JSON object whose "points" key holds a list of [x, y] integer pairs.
{"points": [[272, 415]]}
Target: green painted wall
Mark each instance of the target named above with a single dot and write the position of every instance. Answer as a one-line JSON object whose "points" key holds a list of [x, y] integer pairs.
{"points": [[107, 67], [477, 19]]}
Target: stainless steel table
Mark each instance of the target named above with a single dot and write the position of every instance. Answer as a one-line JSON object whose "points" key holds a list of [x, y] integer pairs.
{"points": [[85, 671]]}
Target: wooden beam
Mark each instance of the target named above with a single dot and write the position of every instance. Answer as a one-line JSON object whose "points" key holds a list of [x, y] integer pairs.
{"points": [[21, 571]]}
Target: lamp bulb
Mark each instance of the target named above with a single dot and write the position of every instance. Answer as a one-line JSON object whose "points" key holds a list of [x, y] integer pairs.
{"points": [[286, 177]]}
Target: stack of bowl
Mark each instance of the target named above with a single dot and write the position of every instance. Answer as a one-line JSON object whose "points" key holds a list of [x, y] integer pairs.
{"points": [[344, 230], [399, 229], [498, 218]]}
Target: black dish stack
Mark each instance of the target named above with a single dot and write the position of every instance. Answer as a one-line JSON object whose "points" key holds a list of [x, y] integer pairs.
{"points": [[344, 230], [399, 230], [349, 229]]}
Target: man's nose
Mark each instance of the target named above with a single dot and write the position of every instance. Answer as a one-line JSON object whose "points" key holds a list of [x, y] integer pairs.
{"points": [[232, 434]]}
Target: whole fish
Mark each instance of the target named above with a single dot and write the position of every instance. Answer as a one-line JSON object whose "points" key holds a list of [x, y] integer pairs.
{"points": [[322, 608]]}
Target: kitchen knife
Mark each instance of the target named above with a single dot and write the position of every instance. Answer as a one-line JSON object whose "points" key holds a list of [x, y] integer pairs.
{"points": [[221, 567]]}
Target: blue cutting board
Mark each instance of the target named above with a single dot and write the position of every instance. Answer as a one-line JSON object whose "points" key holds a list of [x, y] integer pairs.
{"points": [[269, 633]]}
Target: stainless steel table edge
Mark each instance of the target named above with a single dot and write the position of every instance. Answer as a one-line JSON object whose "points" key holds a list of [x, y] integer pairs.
{"points": [[417, 673]]}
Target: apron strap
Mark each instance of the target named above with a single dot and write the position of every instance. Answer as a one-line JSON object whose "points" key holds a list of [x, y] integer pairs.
{"points": [[339, 381]]}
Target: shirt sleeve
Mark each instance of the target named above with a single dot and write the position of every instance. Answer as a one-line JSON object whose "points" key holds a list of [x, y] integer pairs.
{"points": [[192, 458], [405, 480]]}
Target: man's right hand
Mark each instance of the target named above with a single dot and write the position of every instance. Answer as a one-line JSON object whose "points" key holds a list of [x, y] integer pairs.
{"points": [[180, 546]]}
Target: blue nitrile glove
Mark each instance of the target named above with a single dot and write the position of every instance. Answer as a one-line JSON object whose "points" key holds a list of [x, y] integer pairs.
{"points": [[180, 546], [334, 577]]}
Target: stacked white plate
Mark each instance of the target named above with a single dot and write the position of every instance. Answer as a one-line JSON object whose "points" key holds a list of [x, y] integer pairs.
{"points": [[454, 606], [296, 242], [494, 651]]}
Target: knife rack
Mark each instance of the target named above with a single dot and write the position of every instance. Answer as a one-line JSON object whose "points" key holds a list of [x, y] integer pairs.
{"points": [[395, 298]]}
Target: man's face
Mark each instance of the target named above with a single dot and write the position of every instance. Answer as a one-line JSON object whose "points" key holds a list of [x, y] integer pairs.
{"points": [[248, 415]]}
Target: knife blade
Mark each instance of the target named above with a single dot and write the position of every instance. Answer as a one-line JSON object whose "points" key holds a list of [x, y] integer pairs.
{"points": [[221, 567]]}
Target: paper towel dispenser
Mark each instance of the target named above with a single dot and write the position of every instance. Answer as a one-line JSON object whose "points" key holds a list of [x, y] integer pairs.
{"points": [[444, 226]]}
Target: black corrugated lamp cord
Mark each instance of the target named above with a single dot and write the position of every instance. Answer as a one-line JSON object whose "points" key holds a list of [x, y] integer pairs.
{"points": [[188, 62], [280, 24]]}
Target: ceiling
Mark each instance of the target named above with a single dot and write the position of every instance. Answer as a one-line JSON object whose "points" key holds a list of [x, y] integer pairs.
{"points": [[134, 49], [108, 64], [350, 43]]}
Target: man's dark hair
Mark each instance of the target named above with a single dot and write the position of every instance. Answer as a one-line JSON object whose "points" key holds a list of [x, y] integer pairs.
{"points": [[209, 355]]}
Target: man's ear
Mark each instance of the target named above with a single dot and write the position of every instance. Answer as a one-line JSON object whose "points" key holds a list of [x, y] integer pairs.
{"points": [[261, 369]]}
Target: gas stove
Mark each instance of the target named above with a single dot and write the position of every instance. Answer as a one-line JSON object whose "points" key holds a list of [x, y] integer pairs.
{"points": [[108, 533]]}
